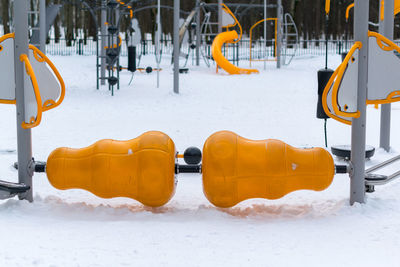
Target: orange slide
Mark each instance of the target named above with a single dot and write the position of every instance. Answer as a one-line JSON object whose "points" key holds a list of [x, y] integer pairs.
{"points": [[219, 40]]}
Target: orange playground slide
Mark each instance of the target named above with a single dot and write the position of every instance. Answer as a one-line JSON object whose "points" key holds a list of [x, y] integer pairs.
{"points": [[219, 40]]}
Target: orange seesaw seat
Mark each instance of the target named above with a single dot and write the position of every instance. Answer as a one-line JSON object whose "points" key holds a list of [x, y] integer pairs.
{"points": [[236, 169], [142, 168]]}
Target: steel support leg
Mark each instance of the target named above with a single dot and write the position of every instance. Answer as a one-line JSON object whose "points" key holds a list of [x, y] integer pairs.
{"points": [[24, 137], [358, 129]]}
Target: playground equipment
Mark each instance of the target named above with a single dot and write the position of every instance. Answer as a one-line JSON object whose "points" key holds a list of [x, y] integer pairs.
{"points": [[45, 88], [346, 94], [233, 169], [228, 21]]}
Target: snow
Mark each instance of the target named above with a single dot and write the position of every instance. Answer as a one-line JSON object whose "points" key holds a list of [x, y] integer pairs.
{"points": [[305, 228]]}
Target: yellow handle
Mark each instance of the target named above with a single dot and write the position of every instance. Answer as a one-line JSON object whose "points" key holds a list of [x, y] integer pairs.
{"points": [[327, 6], [348, 10], [33, 121], [40, 57], [335, 89], [236, 169], [142, 168], [325, 98]]}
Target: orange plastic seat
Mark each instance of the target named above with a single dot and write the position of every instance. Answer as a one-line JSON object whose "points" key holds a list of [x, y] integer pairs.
{"points": [[236, 169], [142, 168]]}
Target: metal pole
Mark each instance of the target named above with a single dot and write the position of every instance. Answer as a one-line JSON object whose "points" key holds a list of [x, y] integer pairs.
{"points": [[326, 39], [103, 42], [387, 31], [24, 137], [42, 26], [358, 128], [279, 34], [116, 23], [219, 16], [198, 33], [158, 42], [265, 34], [176, 46]]}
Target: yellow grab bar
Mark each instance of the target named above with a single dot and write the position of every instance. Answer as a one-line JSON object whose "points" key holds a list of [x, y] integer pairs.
{"points": [[348, 10], [335, 89], [325, 97], [327, 6], [33, 121]]}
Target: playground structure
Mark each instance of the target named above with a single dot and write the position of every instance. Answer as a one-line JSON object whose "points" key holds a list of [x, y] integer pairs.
{"points": [[285, 37], [199, 35], [230, 36], [233, 168]]}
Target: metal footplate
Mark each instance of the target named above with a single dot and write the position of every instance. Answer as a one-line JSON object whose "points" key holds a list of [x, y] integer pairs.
{"points": [[8, 189]]}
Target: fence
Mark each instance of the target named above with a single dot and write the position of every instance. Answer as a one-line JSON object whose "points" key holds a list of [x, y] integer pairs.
{"points": [[239, 51]]}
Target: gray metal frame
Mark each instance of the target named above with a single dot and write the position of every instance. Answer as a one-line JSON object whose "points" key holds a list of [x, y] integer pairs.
{"points": [[176, 46], [24, 137], [358, 128], [279, 15], [42, 27], [386, 29]]}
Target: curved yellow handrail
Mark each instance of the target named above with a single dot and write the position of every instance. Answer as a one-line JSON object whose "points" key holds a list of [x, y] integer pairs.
{"points": [[33, 121], [251, 33], [380, 39], [40, 57], [325, 97], [227, 10], [348, 11], [335, 89], [115, 45], [396, 9], [382, 8], [2, 38]]}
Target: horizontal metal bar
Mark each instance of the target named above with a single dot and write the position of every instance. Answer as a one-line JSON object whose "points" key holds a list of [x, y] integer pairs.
{"points": [[383, 164], [376, 179]]}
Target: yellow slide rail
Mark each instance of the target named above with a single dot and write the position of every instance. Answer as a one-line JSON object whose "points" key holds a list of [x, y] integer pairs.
{"points": [[251, 37]]}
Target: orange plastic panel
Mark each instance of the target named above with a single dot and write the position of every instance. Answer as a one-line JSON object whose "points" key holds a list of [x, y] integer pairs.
{"points": [[142, 168], [236, 169]]}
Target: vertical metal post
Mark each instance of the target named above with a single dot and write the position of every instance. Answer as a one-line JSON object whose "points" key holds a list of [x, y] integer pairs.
{"points": [[116, 23], [279, 34], [42, 26], [386, 29], [103, 42], [198, 33], [24, 137], [176, 46], [219, 16], [358, 128], [265, 34], [158, 42]]}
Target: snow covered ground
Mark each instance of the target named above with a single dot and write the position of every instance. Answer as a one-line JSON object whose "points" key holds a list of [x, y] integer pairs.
{"points": [[305, 228]]}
